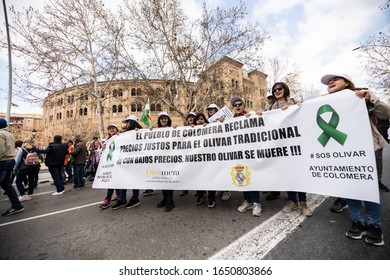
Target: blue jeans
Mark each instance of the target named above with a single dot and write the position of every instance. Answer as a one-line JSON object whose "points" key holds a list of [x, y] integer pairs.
{"points": [[69, 170], [374, 212], [6, 167], [31, 173], [379, 163], [252, 196], [78, 176], [293, 196], [56, 174], [123, 193]]}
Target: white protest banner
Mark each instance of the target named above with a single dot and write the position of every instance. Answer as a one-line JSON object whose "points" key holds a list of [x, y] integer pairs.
{"points": [[323, 146], [223, 114]]}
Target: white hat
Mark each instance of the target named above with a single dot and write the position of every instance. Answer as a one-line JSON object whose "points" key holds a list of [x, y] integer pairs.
{"points": [[130, 117], [163, 114], [325, 79], [191, 114], [112, 125], [269, 94], [212, 106]]}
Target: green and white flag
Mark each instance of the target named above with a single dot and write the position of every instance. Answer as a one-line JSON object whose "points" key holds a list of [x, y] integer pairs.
{"points": [[145, 118]]}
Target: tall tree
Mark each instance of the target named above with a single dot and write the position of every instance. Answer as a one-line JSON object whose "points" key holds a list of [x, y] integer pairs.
{"points": [[376, 53], [162, 43], [282, 71], [71, 42]]}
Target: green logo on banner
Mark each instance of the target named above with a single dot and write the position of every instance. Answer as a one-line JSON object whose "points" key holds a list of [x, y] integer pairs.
{"points": [[329, 129], [111, 150]]}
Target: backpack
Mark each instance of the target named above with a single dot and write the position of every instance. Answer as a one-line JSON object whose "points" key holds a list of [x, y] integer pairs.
{"points": [[32, 158]]}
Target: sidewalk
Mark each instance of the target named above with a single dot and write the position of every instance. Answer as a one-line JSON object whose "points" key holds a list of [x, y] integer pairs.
{"points": [[44, 175]]}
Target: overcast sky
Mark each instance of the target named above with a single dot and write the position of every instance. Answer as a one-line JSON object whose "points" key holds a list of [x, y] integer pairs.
{"points": [[317, 36]]}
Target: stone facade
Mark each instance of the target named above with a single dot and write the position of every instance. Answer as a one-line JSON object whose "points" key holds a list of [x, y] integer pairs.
{"points": [[73, 110], [23, 125]]}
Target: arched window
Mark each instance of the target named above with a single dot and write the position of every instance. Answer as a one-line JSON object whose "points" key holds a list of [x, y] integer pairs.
{"points": [[81, 111], [133, 107], [158, 108], [120, 92], [120, 109], [71, 113], [114, 108], [115, 93], [152, 107], [85, 111], [133, 92], [139, 92], [139, 107]]}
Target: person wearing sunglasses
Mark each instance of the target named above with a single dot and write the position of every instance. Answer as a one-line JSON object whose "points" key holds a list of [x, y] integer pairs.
{"points": [[251, 198], [295, 199], [362, 211]]}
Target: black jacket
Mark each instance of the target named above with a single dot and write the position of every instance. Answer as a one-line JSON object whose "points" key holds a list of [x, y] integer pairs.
{"points": [[55, 154]]}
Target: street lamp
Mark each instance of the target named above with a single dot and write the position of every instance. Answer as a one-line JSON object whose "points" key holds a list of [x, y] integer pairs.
{"points": [[34, 133], [9, 100]]}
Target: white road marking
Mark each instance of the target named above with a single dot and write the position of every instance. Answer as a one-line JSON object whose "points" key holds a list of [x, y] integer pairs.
{"points": [[34, 194], [255, 244], [49, 214]]}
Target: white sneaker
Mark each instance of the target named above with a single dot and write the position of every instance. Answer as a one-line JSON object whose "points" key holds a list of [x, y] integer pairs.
{"points": [[24, 197], [256, 209], [244, 206], [57, 193], [226, 196]]}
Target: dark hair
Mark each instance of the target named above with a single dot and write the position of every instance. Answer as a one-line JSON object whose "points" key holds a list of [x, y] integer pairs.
{"points": [[131, 125], [169, 121], [57, 138], [70, 141], [18, 143], [198, 115], [286, 91]]}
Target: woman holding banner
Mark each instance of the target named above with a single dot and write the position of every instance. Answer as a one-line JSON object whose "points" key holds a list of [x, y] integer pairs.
{"points": [[112, 131], [200, 119], [131, 124], [373, 228], [212, 109], [165, 121], [190, 122], [251, 198], [295, 199]]}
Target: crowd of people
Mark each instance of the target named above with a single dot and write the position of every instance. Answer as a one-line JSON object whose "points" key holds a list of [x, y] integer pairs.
{"points": [[74, 162]]}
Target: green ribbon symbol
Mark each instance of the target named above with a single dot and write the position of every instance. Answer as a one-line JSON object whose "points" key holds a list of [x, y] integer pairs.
{"points": [[111, 150], [329, 128]]}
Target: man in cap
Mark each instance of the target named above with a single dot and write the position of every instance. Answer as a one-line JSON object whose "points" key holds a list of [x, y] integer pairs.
{"points": [[212, 109], [7, 162], [56, 152], [270, 99], [79, 155]]}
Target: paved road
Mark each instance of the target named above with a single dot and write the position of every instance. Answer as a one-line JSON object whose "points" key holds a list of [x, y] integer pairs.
{"points": [[72, 226]]}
